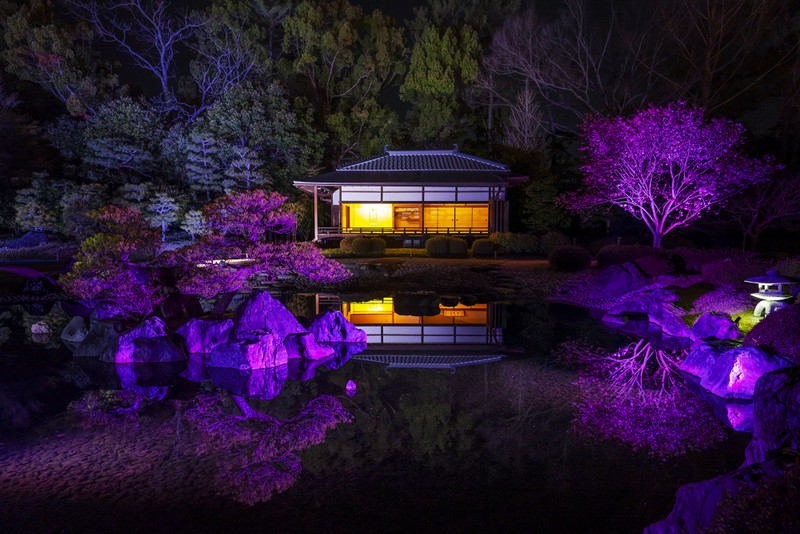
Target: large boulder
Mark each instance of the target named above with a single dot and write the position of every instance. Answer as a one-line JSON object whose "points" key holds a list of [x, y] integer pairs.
{"points": [[736, 371], [617, 280], [256, 349], [262, 312], [147, 342], [715, 326], [776, 403], [305, 346], [74, 333], [202, 335], [108, 310], [697, 504], [333, 327], [702, 357], [101, 341], [778, 332]]}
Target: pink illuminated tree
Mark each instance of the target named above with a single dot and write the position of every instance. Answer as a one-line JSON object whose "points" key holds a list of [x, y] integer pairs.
{"points": [[243, 227], [666, 166]]}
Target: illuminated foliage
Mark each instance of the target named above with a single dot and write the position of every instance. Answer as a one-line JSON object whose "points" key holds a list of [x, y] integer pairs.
{"points": [[666, 166]]}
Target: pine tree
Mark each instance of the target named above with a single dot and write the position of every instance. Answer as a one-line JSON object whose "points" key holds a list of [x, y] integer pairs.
{"points": [[162, 211], [194, 223], [203, 167], [245, 170]]}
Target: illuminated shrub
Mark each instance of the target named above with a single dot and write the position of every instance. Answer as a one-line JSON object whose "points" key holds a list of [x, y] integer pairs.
{"points": [[366, 246], [778, 332], [445, 245], [619, 254], [569, 258], [482, 247], [510, 243], [436, 245], [346, 244]]}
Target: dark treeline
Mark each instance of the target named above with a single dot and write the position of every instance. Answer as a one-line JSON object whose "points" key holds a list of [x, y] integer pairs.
{"points": [[169, 105]]}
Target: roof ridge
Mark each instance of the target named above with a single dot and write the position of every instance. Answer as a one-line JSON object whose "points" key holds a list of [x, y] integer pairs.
{"points": [[403, 161]]}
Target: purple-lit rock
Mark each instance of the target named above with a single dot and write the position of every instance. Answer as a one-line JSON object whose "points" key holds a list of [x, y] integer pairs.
{"points": [[101, 341], [255, 349], [262, 384], [736, 371], [778, 332], [776, 403], [696, 504], [333, 327], [74, 333], [305, 346], [702, 357], [717, 326], [617, 280], [132, 347], [350, 388], [262, 312], [202, 335]]}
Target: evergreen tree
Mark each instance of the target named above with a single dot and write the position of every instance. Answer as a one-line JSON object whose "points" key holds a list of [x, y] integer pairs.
{"points": [[163, 210], [194, 223], [203, 170], [245, 170]]}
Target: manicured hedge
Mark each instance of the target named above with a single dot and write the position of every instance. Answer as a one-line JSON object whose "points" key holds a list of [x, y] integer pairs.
{"points": [[368, 246], [482, 247], [444, 245]]}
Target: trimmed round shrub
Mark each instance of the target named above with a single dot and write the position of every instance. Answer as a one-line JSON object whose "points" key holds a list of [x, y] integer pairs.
{"points": [[569, 258], [510, 243], [482, 247], [444, 245], [361, 246], [436, 245], [552, 240], [457, 245], [346, 243], [368, 246], [618, 254], [377, 246]]}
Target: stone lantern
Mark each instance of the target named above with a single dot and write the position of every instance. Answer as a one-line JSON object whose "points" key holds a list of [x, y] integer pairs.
{"points": [[773, 292]]}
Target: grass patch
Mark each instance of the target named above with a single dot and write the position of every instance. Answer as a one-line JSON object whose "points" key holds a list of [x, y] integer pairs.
{"points": [[687, 295], [746, 321]]}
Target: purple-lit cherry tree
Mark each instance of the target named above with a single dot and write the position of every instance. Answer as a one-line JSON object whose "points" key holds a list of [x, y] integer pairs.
{"points": [[246, 227], [666, 166]]}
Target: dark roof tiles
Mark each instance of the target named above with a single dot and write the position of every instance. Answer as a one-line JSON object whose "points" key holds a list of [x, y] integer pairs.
{"points": [[423, 160]]}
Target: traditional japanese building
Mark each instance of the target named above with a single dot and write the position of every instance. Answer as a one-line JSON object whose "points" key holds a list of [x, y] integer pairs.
{"points": [[413, 192]]}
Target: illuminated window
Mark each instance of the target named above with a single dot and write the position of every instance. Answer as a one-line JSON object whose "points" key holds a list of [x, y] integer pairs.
{"points": [[368, 216]]}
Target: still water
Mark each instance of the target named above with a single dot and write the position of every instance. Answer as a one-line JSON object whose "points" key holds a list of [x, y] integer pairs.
{"points": [[462, 421]]}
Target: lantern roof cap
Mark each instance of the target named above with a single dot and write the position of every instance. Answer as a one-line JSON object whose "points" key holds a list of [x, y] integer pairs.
{"points": [[772, 277]]}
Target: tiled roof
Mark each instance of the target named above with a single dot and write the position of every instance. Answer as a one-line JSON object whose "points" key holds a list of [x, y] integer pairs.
{"points": [[423, 160]]}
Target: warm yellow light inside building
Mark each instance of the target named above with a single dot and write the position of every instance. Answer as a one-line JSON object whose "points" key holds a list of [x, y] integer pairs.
{"points": [[368, 216], [436, 218], [382, 312]]}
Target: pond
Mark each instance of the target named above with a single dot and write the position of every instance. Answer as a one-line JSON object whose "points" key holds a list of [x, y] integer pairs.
{"points": [[462, 421]]}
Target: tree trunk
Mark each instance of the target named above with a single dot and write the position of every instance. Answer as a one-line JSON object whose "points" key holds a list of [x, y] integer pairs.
{"points": [[657, 237]]}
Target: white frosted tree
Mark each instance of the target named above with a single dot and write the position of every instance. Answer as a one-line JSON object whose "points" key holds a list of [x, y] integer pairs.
{"points": [[203, 166], [163, 210], [245, 170], [194, 223]]}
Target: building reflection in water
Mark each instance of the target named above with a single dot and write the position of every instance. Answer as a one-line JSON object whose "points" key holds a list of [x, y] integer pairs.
{"points": [[420, 332]]}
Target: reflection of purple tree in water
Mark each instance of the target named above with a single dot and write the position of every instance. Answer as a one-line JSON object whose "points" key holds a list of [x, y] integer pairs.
{"points": [[256, 451], [635, 395]]}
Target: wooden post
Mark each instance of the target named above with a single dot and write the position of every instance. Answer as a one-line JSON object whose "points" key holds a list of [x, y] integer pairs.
{"points": [[316, 215]]}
